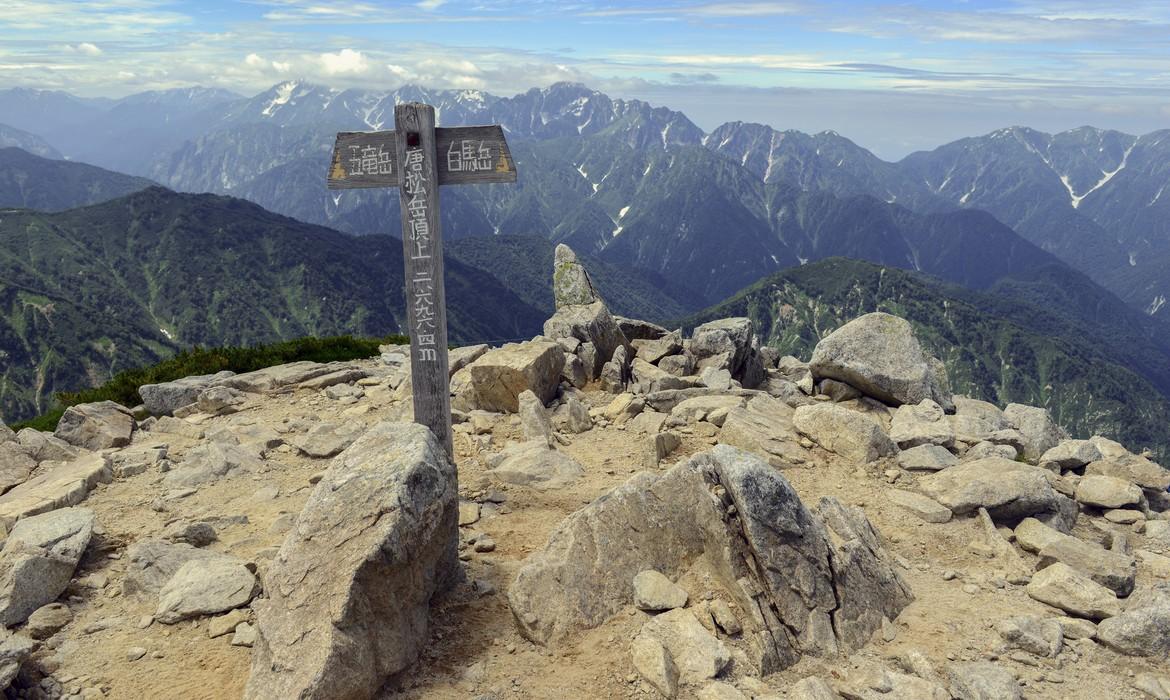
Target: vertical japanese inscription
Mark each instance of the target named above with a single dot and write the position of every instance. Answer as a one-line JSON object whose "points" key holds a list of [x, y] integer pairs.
{"points": [[422, 249]]}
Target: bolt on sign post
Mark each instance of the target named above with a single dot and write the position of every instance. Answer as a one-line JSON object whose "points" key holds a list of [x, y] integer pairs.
{"points": [[417, 158]]}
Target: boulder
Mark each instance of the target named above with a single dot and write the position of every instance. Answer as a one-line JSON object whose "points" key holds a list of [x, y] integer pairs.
{"points": [[1039, 636], [1008, 490], [38, 560], [847, 433], [572, 416], [1060, 586], [96, 426], [678, 365], [930, 458], [1114, 570], [1039, 431], [571, 283], [212, 461], [699, 407], [697, 654], [1142, 630], [878, 354], [495, 381], [838, 391], [1107, 492], [152, 563], [56, 486], [1033, 535], [728, 344], [47, 620], [574, 371], [14, 649], [1071, 454], [6, 434], [534, 421], [589, 323], [654, 592], [665, 521], [812, 688], [654, 350], [982, 680], [46, 447], [326, 440], [206, 587], [654, 663], [634, 329], [535, 465], [717, 378], [348, 596], [647, 378], [763, 426], [458, 358], [985, 450], [15, 465], [921, 424], [163, 398], [1130, 468], [796, 372], [221, 400], [925, 508]]}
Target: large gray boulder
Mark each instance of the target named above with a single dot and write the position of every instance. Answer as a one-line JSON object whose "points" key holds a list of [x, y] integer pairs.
{"points": [[1144, 628], [820, 581], [589, 323], [1040, 432], [535, 465], [878, 354], [571, 283], [851, 434], [96, 426], [46, 447], [152, 563], [163, 398], [495, 380], [1009, 490], [347, 599], [38, 560]]}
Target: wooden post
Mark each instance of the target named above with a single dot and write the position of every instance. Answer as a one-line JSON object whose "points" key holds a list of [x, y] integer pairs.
{"points": [[416, 158], [422, 250]]}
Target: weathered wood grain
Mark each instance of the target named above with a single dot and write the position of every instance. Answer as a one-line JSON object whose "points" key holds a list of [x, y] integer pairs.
{"points": [[422, 247]]}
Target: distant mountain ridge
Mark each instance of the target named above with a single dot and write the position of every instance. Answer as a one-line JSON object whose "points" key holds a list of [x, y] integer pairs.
{"points": [[28, 181], [94, 290]]}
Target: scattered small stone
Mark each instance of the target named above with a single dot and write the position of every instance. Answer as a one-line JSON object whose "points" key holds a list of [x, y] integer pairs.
{"points": [[135, 653]]}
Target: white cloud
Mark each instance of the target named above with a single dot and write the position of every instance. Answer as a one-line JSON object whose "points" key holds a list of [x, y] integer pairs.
{"points": [[430, 4], [344, 62], [254, 61], [85, 48]]}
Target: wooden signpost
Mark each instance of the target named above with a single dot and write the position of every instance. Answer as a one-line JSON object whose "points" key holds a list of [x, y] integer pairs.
{"points": [[416, 158]]}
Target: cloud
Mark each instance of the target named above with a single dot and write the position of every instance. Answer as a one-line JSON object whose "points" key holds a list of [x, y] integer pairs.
{"points": [[430, 4], [713, 9], [85, 48], [344, 62]]}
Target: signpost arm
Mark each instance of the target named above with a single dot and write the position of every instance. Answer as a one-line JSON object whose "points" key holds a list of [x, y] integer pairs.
{"points": [[422, 249]]}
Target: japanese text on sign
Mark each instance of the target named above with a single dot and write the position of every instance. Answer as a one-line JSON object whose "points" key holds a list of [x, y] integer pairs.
{"points": [[468, 156], [370, 160]]}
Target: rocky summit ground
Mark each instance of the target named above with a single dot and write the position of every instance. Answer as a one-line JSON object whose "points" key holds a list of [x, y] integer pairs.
{"points": [[636, 515]]}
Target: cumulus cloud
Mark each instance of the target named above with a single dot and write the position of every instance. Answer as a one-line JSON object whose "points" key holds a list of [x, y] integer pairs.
{"points": [[344, 62], [85, 48]]}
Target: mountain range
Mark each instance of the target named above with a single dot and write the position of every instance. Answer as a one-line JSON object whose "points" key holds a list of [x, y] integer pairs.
{"points": [[1048, 230]]}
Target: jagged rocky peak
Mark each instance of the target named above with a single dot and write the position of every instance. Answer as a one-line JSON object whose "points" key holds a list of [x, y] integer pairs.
{"points": [[571, 283]]}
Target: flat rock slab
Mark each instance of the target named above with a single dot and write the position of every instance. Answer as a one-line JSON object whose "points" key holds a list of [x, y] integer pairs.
{"points": [[925, 508], [535, 465], [65, 484], [152, 563], [38, 560], [206, 588], [1061, 586], [347, 599], [1008, 490], [294, 373]]}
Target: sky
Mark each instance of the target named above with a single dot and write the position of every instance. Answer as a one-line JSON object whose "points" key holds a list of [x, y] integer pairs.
{"points": [[893, 76]]}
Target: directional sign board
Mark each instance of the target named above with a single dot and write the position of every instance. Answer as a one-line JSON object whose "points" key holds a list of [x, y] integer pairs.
{"points": [[464, 155], [417, 158]]}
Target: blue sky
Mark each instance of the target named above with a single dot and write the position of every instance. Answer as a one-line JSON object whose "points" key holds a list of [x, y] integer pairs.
{"points": [[893, 76]]}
